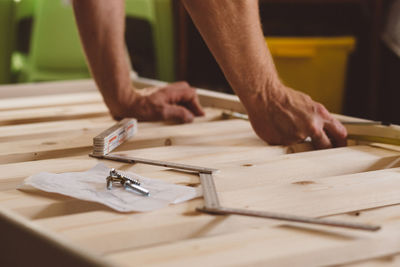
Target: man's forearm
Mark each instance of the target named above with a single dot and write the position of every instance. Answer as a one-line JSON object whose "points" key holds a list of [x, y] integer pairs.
{"points": [[278, 114], [233, 33], [101, 25]]}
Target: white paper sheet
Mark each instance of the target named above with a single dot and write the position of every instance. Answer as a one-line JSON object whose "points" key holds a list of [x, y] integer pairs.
{"points": [[91, 186]]}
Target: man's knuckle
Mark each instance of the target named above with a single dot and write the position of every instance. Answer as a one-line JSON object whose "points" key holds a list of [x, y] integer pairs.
{"points": [[314, 130]]}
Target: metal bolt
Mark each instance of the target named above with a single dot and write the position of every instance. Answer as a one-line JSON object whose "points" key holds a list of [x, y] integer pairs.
{"points": [[116, 174], [131, 186], [126, 182]]}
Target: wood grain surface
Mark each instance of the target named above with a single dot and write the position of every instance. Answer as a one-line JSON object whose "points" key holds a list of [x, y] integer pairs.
{"points": [[51, 129]]}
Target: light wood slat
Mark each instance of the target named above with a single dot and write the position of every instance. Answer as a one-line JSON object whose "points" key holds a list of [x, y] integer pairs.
{"points": [[84, 163], [61, 128], [178, 222], [51, 101], [325, 196], [127, 229], [302, 168], [46, 88], [80, 143], [52, 114], [266, 246], [283, 246], [43, 130], [215, 156], [248, 167], [143, 235], [362, 159], [62, 87], [331, 201]]}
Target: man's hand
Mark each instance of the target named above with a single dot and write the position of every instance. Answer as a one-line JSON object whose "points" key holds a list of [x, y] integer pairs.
{"points": [[285, 116], [101, 26], [278, 114], [175, 102]]}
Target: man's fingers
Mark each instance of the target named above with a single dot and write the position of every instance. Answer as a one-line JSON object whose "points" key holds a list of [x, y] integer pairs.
{"points": [[336, 131], [181, 93], [177, 113], [194, 105], [332, 127], [321, 140]]}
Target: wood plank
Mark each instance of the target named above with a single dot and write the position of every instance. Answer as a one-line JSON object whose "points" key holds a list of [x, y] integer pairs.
{"points": [[307, 166], [323, 242], [24, 205], [51, 101], [144, 235], [315, 183], [223, 157], [52, 114], [332, 202], [47, 88], [178, 222], [267, 247], [238, 160], [337, 194], [293, 245], [12, 174], [61, 128], [43, 130], [80, 143]]}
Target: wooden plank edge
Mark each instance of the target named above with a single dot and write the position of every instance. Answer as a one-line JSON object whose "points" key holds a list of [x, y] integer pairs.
{"points": [[24, 242], [207, 98]]}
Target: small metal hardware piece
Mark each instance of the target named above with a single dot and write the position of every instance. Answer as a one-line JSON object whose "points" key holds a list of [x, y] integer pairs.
{"points": [[116, 174], [126, 182], [130, 186]]}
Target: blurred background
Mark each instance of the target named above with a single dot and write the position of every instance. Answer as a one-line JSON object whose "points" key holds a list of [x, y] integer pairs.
{"points": [[333, 50]]}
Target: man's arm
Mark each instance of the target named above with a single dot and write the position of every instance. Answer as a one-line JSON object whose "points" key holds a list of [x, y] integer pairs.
{"points": [[101, 25], [278, 114]]}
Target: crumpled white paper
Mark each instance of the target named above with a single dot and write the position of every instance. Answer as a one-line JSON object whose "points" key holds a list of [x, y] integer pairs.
{"points": [[91, 186]]}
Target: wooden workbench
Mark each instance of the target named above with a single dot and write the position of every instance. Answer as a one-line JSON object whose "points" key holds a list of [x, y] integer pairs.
{"points": [[50, 126]]}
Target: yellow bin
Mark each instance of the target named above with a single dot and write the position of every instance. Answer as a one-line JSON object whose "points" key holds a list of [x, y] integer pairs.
{"points": [[316, 66]]}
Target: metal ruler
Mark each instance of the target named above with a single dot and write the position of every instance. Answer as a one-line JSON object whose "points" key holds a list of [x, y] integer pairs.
{"points": [[167, 164], [212, 205], [116, 135]]}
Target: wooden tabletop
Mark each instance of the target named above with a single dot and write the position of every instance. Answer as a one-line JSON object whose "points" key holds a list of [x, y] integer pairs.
{"points": [[49, 127]]}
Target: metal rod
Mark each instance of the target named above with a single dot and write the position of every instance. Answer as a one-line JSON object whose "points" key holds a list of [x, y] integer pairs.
{"points": [[212, 206], [131, 186], [290, 218], [156, 163]]}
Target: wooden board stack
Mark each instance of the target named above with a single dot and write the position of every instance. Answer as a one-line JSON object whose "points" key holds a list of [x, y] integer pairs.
{"points": [[54, 133]]}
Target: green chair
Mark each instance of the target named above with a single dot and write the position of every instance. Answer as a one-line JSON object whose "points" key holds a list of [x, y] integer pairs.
{"points": [[7, 25], [55, 49]]}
